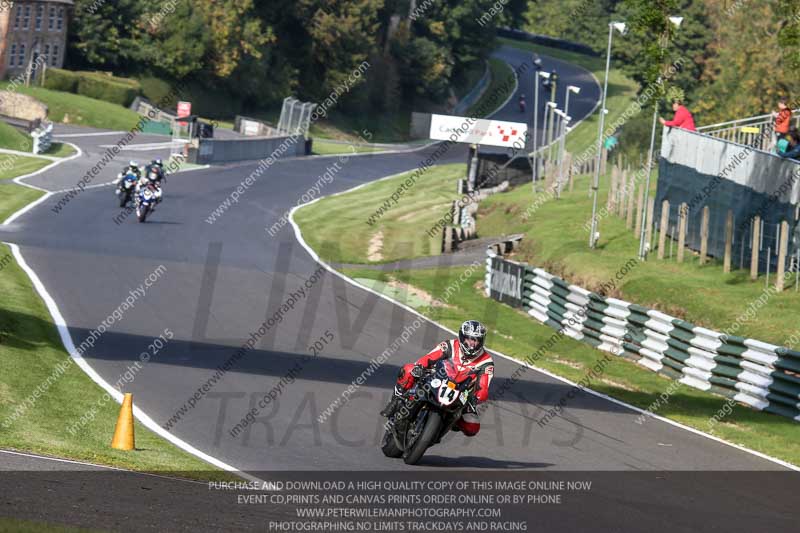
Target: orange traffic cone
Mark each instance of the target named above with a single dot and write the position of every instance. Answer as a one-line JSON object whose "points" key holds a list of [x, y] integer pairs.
{"points": [[123, 434]]}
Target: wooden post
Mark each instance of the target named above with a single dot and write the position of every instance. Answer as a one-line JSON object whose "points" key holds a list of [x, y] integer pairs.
{"points": [[603, 159], [704, 236], [571, 172], [683, 216], [662, 233], [612, 187], [629, 213], [726, 265], [784, 245], [754, 253], [648, 236], [639, 207]]}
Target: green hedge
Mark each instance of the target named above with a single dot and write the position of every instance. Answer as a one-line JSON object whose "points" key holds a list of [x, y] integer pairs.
{"points": [[96, 85]]}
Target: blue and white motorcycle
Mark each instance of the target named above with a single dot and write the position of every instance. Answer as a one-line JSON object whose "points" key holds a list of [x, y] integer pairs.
{"points": [[145, 201], [126, 187]]}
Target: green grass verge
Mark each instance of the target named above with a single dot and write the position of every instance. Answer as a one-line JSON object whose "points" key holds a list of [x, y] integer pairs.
{"points": [[326, 147], [521, 336], [498, 89], [621, 91], [30, 350], [80, 110], [403, 227], [60, 150], [13, 139], [14, 197]]}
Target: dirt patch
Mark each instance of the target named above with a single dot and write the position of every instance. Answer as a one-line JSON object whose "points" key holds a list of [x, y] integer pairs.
{"points": [[410, 216], [418, 293], [375, 247], [617, 384], [571, 364]]}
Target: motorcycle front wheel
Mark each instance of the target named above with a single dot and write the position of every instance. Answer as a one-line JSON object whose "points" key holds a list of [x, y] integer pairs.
{"points": [[143, 214], [432, 426], [389, 446]]}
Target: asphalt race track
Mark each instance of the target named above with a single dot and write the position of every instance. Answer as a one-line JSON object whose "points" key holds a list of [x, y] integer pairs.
{"points": [[213, 285]]}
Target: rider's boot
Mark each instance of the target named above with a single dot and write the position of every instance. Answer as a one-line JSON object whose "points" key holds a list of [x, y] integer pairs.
{"points": [[394, 403]]}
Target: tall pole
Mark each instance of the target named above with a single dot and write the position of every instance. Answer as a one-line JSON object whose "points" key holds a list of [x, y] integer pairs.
{"points": [[553, 88], [642, 247], [596, 181], [564, 121], [535, 128], [676, 21]]}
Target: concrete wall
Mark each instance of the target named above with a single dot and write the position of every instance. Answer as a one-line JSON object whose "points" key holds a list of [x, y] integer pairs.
{"points": [[213, 151]]}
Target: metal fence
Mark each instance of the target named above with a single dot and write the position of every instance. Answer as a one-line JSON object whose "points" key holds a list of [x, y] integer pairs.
{"points": [[295, 117], [747, 131]]}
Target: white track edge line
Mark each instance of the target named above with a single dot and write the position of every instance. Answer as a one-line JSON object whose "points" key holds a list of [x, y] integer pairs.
{"points": [[313, 254], [69, 346]]}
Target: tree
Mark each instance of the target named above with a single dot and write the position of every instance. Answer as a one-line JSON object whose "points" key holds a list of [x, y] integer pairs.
{"points": [[102, 34]]}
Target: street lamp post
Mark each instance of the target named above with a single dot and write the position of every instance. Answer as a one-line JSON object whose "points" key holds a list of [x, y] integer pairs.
{"points": [[550, 131], [545, 75], [676, 21], [570, 89], [565, 119], [620, 27]]}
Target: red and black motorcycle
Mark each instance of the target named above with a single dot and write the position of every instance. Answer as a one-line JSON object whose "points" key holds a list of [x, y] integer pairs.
{"points": [[429, 410]]}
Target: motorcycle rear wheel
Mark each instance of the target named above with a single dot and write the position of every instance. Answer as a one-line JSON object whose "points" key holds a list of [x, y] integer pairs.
{"points": [[432, 427]]}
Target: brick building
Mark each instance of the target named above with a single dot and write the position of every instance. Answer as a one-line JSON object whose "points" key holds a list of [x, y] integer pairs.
{"points": [[31, 33]]}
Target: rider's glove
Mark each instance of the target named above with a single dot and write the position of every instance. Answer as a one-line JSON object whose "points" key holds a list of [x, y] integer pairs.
{"points": [[417, 371]]}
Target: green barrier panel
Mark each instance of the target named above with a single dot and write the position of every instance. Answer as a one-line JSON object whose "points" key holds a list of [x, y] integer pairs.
{"points": [[784, 377], [727, 371], [156, 127], [724, 382], [790, 391], [788, 364]]}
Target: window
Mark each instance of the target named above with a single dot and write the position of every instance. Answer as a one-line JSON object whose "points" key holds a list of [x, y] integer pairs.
{"points": [[17, 17], [51, 23], [46, 54], [60, 25], [26, 19], [39, 16], [21, 55], [12, 57], [54, 57]]}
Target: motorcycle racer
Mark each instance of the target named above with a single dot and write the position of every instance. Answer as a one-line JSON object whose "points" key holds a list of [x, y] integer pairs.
{"points": [[467, 351]]}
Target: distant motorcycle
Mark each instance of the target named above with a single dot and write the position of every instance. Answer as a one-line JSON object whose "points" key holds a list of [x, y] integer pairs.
{"points": [[145, 202], [430, 410], [126, 188], [522, 105]]}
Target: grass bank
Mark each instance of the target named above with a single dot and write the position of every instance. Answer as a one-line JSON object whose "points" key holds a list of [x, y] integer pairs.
{"points": [[80, 110], [402, 229]]}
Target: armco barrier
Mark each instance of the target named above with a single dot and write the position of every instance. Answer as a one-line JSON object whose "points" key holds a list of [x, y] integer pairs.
{"points": [[761, 375], [212, 151]]}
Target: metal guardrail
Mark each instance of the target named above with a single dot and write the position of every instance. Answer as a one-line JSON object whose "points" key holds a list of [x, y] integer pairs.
{"points": [[762, 376], [747, 131]]}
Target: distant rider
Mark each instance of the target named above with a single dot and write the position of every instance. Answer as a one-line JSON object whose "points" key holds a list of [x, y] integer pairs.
{"points": [[133, 167], [467, 351], [157, 166]]}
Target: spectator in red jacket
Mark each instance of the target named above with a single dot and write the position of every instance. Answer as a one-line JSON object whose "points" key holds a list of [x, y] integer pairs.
{"points": [[682, 119], [783, 118]]}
